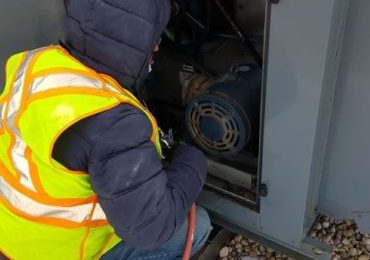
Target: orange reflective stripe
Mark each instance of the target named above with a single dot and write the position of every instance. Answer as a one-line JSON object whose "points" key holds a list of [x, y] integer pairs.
{"points": [[67, 90], [2, 108], [34, 171], [9, 153], [40, 197], [53, 221], [27, 85], [105, 245], [76, 214], [82, 245]]}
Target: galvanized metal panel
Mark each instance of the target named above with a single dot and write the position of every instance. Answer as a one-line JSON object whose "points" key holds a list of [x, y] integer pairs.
{"points": [[27, 24], [345, 191], [299, 39]]}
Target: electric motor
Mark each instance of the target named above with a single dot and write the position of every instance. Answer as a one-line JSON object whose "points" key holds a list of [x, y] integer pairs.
{"points": [[225, 119]]}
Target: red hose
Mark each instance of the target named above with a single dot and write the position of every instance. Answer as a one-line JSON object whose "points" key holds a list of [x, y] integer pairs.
{"points": [[191, 231]]}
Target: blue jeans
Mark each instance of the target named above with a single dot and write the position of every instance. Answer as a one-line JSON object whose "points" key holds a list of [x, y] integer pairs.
{"points": [[173, 249]]}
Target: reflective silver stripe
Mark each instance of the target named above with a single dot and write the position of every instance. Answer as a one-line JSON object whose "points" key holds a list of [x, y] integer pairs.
{"points": [[18, 150], [98, 213], [58, 80], [15, 198], [111, 88], [33, 208]]}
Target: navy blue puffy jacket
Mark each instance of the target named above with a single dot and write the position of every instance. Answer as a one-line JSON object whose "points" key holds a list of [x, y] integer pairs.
{"points": [[144, 202]]}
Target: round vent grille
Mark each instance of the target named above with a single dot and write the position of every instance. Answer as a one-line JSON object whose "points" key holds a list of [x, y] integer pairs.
{"points": [[218, 124]]}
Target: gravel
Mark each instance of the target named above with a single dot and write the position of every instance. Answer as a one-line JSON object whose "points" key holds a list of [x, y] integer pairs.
{"points": [[343, 235], [242, 248]]}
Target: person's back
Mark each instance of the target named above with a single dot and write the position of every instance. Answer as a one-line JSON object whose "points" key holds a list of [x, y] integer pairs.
{"points": [[146, 204]]}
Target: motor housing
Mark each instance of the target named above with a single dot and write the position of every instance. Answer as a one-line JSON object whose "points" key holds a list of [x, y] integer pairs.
{"points": [[225, 119]]}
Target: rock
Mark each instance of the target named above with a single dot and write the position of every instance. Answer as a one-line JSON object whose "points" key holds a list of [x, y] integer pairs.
{"points": [[238, 245], [326, 224], [337, 242], [368, 248], [317, 251], [340, 250], [261, 248], [364, 257], [232, 242], [238, 238], [342, 227], [348, 233], [270, 250], [224, 252], [239, 250], [345, 242], [224, 258], [353, 252], [367, 241], [335, 257], [327, 239], [318, 226]]}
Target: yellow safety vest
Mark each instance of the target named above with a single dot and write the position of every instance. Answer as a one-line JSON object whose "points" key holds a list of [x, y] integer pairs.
{"points": [[46, 210]]}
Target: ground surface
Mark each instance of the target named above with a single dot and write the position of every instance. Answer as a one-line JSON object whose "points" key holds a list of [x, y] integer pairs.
{"points": [[343, 235]]}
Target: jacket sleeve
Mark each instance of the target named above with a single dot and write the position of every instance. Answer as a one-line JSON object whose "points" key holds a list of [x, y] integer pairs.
{"points": [[144, 202]]}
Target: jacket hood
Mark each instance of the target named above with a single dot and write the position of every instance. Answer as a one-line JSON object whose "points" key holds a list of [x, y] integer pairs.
{"points": [[116, 37]]}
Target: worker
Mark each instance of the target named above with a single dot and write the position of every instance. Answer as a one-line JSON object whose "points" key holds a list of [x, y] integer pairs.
{"points": [[81, 175]]}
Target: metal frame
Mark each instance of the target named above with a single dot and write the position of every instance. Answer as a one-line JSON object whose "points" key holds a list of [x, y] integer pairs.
{"points": [[303, 54]]}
